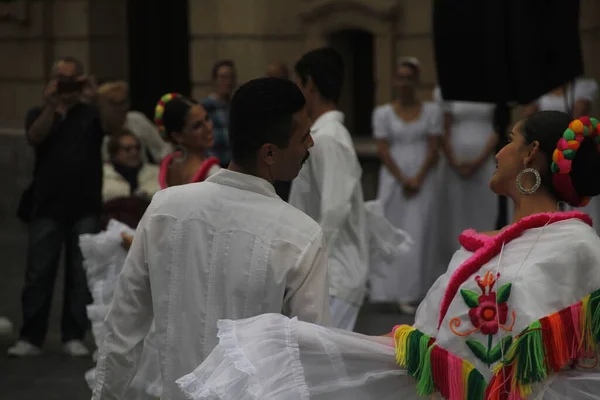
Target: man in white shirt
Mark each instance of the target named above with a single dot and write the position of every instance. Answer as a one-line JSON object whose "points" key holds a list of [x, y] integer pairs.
{"points": [[329, 186], [226, 248]]}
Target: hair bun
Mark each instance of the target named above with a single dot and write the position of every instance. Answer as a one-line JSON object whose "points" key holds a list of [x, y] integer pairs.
{"points": [[586, 169]]}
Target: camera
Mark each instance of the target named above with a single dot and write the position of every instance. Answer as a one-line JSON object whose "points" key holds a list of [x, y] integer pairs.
{"points": [[65, 86]]}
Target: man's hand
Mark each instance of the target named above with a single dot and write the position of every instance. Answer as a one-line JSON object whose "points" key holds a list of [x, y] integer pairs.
{"points": [[89, 89], [50, 93]]}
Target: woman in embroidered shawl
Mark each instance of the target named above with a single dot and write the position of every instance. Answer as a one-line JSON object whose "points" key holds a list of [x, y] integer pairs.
{"points": [[516, 315]]}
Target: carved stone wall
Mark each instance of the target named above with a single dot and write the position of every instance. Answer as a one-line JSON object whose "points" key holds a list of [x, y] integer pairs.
{"points": [[34, 33]]}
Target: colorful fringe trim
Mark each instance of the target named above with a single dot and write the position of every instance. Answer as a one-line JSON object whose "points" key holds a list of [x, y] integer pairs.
{"points": [[546, 346], [436, 369]]}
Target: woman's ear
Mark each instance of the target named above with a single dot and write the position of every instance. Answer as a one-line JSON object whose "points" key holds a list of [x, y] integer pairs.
{"points": [[532, 153], [177, 137]]}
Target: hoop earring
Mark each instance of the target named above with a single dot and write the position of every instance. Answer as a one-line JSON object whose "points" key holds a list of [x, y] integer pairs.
{"points": [[181, 154], [536, 186]]}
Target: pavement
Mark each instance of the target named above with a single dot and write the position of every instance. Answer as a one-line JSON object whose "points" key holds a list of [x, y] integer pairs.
{"points": [[54, 376]]}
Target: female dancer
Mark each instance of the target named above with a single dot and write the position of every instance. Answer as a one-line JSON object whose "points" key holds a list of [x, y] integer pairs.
{"points": [[187, 125], [515, 315], [469, 142], [406, 132]]}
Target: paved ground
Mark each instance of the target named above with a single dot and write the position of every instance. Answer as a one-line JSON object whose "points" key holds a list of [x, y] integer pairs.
{"points": [[54, 376]]}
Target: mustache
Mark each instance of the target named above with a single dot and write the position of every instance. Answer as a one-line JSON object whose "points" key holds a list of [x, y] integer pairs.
{"points": [[306, 157]]}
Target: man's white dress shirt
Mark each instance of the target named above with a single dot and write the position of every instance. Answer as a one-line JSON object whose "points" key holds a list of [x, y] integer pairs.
{"points": [[226, 248], [329, 190]]}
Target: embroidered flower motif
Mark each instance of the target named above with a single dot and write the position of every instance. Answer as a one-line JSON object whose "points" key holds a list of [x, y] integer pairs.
{"points": [[488, 313]]}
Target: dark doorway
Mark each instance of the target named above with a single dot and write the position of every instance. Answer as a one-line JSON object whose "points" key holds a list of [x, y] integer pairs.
{"points": [[358, 96], [158, 51]]}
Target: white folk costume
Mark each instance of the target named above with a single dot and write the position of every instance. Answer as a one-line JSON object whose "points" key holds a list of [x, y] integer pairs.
{"points": [[405, 280], [517, 315], [104, 257], [467, 202], [228, 247], [329, 190]]}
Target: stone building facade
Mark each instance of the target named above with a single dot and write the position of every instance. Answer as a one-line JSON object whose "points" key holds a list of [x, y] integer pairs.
{"points": [[33, 33]]}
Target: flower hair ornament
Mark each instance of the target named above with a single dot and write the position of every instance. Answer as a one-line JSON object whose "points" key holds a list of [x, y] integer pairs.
{"points": [[583, 128], [159, 112]]}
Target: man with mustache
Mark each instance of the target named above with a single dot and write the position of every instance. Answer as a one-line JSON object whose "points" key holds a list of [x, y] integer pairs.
{"points": [[225, 248], [329, 187]]}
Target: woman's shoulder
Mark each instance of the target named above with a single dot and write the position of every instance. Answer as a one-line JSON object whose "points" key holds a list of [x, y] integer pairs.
{"points": [[382, 109], [109, 171]]}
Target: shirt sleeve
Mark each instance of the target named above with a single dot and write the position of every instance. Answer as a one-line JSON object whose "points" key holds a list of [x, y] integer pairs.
{"points": [[338, 172], [445, 106], [307, 296], [380, 125], [148, 132], [435, 120], [31, 116], [127, 324]]}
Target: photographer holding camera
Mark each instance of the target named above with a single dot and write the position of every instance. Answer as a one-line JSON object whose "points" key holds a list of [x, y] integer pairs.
{"points": [[63, 202]]}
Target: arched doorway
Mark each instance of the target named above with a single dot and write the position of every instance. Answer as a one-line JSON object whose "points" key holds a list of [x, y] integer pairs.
{"points": [[358, 95]]}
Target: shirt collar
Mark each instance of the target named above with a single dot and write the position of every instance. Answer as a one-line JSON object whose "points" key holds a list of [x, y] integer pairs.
{"points": [[242, 181], [329, 116]]}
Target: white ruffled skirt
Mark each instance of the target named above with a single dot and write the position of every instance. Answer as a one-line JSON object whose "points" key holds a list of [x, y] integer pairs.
{"points": [[273, 357], [103, 260]]}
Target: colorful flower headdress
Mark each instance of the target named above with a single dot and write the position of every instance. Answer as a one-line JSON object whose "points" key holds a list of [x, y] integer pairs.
{"points": [[159, 112], [562, 158]]}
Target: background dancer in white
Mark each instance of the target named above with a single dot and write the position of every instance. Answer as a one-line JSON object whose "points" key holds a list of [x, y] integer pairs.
{"points": [[407, 131], [227, 247], [328, 188]]}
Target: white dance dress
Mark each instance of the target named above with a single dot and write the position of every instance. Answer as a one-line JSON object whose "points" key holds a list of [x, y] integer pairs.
{"points": [[104, 258], [406, 280], [467, 202], [517, 315]]}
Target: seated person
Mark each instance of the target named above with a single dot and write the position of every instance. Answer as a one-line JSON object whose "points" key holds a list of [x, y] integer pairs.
{"points": [[129, 184]]}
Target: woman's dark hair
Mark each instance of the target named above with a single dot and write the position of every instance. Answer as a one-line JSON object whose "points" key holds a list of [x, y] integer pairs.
{"points": [[262, 112], [175, 115], [547, 127], [114, 144]]}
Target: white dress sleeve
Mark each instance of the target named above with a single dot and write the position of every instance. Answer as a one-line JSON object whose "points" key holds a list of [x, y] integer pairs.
{"points": [[271, 357], [380, 123], [435, 120], [586, 89], [445, 106]]}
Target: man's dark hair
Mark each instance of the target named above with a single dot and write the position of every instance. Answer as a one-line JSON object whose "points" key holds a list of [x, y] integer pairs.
{"points": [[222, 63], [262, 112], [326, 68], [72, 60]]}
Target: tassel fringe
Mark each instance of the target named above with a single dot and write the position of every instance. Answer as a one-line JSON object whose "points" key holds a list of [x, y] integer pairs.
{"points": [[545, 347]]}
